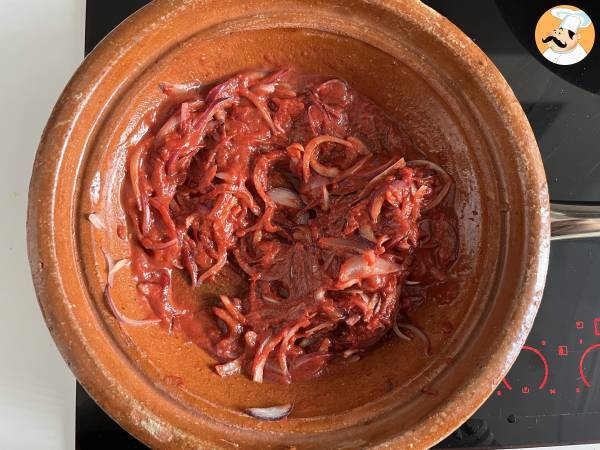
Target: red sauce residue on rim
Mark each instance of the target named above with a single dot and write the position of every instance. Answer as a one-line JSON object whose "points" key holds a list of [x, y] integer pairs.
{"points": [[337, 225]]}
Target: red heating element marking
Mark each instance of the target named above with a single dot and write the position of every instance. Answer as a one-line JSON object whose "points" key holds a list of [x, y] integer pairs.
{"points": [[581, 374], [563, 350], [543, 358], [544, 380], [552, 391], [597, 326], [579, 324]]}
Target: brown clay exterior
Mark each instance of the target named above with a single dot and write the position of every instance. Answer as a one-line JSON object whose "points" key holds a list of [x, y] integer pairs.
{"points": [[453, 103]]}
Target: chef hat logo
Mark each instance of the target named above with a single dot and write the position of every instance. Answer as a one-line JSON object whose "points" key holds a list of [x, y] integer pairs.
{"points": [[565, 35], [571, 19]]}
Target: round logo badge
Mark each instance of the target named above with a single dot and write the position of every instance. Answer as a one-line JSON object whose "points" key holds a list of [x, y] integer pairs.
{"points": [[565, 35]]}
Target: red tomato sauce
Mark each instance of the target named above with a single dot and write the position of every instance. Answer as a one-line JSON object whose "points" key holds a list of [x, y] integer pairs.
{"points": [[317, 199]]}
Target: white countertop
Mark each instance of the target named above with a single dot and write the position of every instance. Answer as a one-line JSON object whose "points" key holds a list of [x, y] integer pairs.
{"points": [[41, 44]]}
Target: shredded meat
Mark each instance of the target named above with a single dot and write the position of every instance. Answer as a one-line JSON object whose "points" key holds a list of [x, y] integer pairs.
{"points": [[305, 189]]}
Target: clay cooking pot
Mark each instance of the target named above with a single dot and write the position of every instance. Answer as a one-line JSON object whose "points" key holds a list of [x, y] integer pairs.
{"points": [[456, 108]]}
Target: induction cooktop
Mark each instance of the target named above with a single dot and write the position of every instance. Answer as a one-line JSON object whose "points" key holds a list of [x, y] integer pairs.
{"points": [[551, 396]]}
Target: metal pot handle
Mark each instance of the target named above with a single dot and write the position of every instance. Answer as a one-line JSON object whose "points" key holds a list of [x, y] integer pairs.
{"points": [[574, 220]]}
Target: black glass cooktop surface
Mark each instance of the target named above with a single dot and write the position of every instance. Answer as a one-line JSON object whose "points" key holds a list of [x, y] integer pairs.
{"points": [[552, 394]]}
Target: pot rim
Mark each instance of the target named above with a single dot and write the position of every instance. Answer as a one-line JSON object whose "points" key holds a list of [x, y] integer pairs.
{"points": [[49, 269]]}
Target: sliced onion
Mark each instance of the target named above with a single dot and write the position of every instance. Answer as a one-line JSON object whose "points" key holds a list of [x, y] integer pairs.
{"points": [[96, 221], [263, 89], [341, 98], [230, 368], [325, 201], [320, 294], [213, 269], [322, 326], [173, 122], [366, 231], [377, 306], [350, 352], [418, 333], [189, 220], [317, 359], [108, 259], [352, 359], [274, 77], [400, 334], [357, 268], [344, 245], [258, 366], [310, 153], [285, 197], [113, 268], [121, 317], [295, 151], [412, 283], [250, 338], [353, 320], [179, 88], [152, 245], [322, 169], [285, 345], [373, 302], [271, 413], [399, 164], [361, 294], [185, 114], [135, 163], [283, 91], [334, 172], [244, 195], [315, 182], [271, 300], [239, 191], [262, 108], [245, 265], [193, 140], [169, 126], [376, 204], [445, 177], [351, 170], [262, 355], [305, 342], [303, 218], [233, 310], [224, 176], [261, 171], [359, 145]]}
